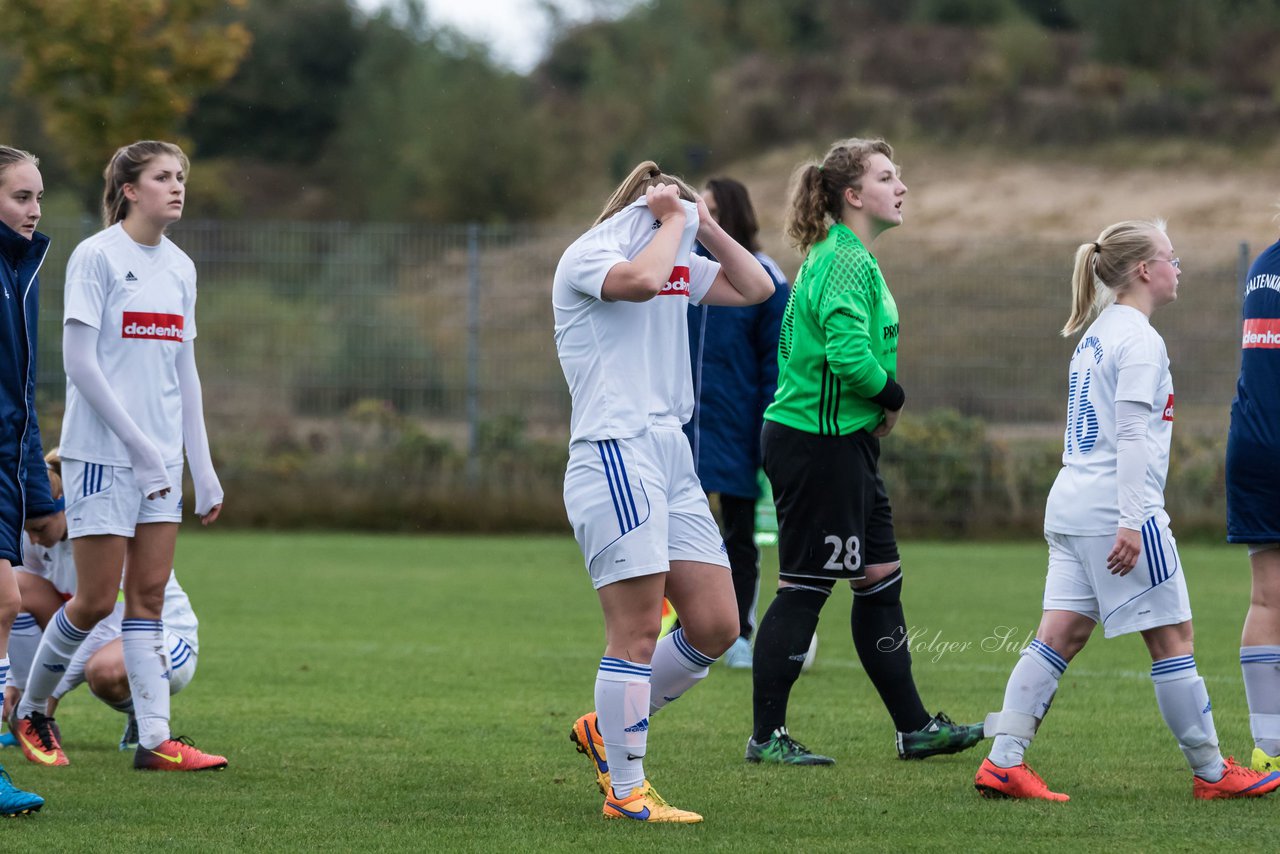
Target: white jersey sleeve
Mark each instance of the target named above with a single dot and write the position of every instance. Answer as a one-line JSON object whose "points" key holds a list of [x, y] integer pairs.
{"points": [[702, 274], [85, 291]]}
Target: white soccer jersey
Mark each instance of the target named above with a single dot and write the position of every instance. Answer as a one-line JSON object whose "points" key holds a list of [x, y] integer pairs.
{"points": [[1120, 357], [627, 363], [55, 565], [142, 301]]}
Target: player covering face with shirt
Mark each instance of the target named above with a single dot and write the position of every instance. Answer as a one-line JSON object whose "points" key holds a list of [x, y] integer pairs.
{"points": [[620, 296]]}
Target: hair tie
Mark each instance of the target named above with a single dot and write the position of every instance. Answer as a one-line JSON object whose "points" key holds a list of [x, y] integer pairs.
{"points": [[1097, 247], [820, 167]]}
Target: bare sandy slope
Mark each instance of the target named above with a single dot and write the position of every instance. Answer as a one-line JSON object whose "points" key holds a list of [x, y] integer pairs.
{"points": [[1212, 199]]}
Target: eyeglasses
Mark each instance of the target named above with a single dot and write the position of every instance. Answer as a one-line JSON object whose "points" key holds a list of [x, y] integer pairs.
{"points": [[1176, 262]]}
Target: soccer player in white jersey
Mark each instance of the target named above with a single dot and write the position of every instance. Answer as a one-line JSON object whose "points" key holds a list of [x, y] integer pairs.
{"points": [[621, 294], [133, 405], [1112, 557]]}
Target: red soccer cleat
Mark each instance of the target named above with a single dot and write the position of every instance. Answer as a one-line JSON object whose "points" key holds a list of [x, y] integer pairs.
{"points": [[1237, 782], [177, 754], [992, 781]]}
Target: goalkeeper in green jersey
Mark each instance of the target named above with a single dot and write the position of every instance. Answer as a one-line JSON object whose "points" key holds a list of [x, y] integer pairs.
{"points": [[837, 397]]}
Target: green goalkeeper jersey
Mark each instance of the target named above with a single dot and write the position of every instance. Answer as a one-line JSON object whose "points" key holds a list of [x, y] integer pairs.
{"points": [[839, 342]]}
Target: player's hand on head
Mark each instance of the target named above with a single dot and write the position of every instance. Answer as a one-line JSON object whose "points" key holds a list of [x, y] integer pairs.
{"points": [[705, 219], [664, 201]]}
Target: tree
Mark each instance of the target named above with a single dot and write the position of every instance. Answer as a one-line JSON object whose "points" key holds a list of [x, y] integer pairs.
{"points": [[432, 129], [283, 102], [108, 72]]}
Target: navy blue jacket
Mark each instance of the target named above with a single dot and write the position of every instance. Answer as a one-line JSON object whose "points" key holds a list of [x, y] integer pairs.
{"points": [[1253, 443], [734, 353], [24, 481]]}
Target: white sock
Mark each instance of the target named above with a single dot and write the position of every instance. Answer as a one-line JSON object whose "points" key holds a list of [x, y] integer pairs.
{"points": [[1260, 666], [24, 640], [4, 672], [148, 668], [622, 715], [1184, 703], [677, 667], [56, 649], [1030, 691]]}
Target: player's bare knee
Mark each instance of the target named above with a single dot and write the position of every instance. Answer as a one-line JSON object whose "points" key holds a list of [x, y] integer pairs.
{"points": [[108, 680], [1170, 641], [714, 635], [85, 612]]}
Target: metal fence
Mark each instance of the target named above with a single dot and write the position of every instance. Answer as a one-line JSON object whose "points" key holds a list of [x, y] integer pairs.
{"points": [[441, 337]]}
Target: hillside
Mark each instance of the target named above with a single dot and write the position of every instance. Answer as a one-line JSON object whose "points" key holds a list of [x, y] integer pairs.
{"points": [[1212, 198]]}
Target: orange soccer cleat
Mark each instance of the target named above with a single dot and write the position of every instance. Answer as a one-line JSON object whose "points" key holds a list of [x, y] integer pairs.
{"points": [[992, 781], [1237, 782], [177, 754], [37, 735], [586, 735], [644, 804]]}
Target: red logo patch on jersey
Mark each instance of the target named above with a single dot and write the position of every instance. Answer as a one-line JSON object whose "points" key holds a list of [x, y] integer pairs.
{"points": [[1168, 410], [677, 285], [1261, 332], [146, 324]]}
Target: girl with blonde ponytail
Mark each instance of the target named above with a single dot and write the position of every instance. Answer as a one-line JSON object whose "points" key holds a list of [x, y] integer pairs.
{"points": [[1105, 518], [621, 295]]}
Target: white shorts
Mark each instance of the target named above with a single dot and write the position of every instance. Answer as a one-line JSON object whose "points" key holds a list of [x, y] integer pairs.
{"points": [[181, 656], [636, 505], [104, 499], [1153, 593]]}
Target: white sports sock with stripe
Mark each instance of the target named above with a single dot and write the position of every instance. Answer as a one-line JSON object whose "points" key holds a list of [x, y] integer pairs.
{"points": [[1184, 704], [1029, 693], [622, 716], [677, 667], [56, 649], [148, 668], [24, 640], [1260, 666]]}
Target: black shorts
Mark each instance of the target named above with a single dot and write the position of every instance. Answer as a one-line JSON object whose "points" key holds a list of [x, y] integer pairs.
{"points": [[834, 517]]}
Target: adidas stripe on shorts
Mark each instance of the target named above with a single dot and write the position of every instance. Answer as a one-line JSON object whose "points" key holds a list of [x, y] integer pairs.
{"points": [[1153, 593], [636, 505], [105, 499]]}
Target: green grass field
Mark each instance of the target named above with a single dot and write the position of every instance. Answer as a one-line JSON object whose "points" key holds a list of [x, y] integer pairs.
{"points": [[416, 693]]}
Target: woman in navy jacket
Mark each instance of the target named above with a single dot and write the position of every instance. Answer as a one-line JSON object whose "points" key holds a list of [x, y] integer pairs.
{"points": [[734, 353], [24, 482]]}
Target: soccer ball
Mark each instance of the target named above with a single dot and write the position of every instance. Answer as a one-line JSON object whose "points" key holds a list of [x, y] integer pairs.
{"points": [[811, 654]]}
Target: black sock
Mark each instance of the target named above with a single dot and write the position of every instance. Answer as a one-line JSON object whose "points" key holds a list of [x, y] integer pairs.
{"points": [[739, 525], [880, 636], [782, 642]]}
